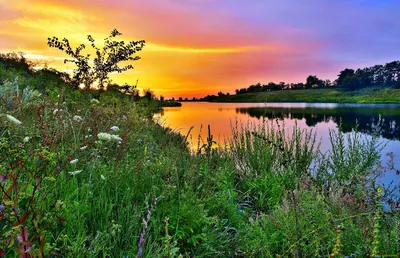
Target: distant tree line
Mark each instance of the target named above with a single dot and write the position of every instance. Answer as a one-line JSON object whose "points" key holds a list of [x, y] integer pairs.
{"points": [[387, 75]]}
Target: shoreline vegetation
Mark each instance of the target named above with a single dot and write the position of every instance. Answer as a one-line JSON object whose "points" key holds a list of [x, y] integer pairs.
{"points": [[364, 96], [88, 173], [170, 103]]}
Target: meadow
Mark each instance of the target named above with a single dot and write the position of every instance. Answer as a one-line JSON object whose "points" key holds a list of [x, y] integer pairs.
{"points": [[90, 174], [333, 95]]}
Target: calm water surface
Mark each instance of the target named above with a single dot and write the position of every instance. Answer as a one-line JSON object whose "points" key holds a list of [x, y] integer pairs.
{"points": [[321, 117]]}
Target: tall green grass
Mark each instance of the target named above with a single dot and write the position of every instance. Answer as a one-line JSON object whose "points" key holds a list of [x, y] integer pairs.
{"points": [[271, 193]]}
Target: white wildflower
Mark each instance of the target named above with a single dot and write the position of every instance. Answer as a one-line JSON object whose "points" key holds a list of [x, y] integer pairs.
{"points": [[102, 177], [75, 172], [115, 128], [84, 147], [115, 138], [104, 136], [13, 120], [73, 161], [26, 139], [94, 101], [55, 111], [77, 118]]}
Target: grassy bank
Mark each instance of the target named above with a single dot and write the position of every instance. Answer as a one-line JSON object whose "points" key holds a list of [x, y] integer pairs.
{"points": [[170, 104], [98, 178], [368, 95]]}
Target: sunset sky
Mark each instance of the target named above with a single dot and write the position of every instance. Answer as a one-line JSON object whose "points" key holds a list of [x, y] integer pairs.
{"points": [[199, 47]]}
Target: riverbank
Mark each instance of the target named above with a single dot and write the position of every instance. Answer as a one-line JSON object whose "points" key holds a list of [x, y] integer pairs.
{"points": [[85, 177], [367, 95], [170, 103]]}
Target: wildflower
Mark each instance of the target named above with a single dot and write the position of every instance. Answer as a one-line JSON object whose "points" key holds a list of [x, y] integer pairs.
{"points": [[13, 120], [84, 147], [379, 191], [55, 111], [77, 118], [102, 177], [75, 172], [115, 128], [26, 139], [115, 138], [94, 101], [104, 136], [73, 161]]}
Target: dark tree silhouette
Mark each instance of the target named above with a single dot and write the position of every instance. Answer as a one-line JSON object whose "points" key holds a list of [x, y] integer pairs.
{"points": [[313, 81], [343, 75], [106, 60], [149, 94]]}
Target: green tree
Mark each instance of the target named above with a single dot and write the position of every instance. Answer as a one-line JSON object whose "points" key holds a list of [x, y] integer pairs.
{"points": [[313, 82], [343, 75], [106, 60], [351, 83]]}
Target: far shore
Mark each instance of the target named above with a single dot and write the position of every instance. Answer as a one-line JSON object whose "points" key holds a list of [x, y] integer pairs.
{"points": [[364, 96]]}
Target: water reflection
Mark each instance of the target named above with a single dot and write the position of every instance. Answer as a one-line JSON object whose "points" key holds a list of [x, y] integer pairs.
{"points": [[367, 117], [320, 117]]}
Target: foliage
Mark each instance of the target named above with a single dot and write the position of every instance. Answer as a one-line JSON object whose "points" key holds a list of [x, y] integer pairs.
{"points": [[28, 174], [12, 97], [16, 61], [106, 60]]}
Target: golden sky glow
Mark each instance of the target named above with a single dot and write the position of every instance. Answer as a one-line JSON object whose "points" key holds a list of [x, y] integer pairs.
{"points": [[194, 47]]}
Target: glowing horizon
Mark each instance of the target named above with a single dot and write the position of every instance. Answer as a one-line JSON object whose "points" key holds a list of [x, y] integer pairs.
{"points": [[199, 47]]}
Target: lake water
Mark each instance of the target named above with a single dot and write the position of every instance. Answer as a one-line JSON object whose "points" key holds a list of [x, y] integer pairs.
{"points": [[321, 117]]}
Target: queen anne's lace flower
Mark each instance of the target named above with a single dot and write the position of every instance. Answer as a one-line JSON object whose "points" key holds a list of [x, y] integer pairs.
{"points": [[26, 139], [13, 120], [73, 161], [83, 147], [115, 128], [73, 173], [104, 136], [116, 138], [77, 118], [109, 137]]}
